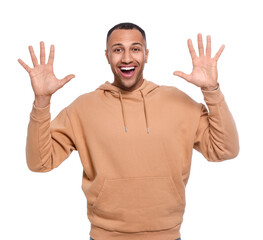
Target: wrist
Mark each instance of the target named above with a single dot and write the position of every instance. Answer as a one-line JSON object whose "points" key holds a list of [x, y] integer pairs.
{"points": [[210, 88], [42, 101]]}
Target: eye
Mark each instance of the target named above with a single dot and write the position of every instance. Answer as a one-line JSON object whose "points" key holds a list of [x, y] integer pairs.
{"points": [[117, 50], [136, 49]]}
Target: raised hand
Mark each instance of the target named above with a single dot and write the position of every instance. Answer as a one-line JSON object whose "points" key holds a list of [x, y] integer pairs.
{"points": [[43, 79], [204, 73]]}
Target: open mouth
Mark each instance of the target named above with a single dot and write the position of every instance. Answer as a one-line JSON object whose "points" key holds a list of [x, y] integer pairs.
{"points": [[127, 72]]}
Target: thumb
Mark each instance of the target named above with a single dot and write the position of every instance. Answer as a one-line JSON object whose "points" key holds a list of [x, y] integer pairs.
{"points": [[66, 79], [183, 75]]}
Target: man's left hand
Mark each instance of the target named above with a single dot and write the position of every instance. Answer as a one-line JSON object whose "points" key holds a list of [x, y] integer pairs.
{"points": [[204, 73]]}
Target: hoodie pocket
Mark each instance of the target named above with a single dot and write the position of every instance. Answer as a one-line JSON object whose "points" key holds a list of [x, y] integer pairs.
{"points": [[138, 204]]}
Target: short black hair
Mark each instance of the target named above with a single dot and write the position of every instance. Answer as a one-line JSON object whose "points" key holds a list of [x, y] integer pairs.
{"points": [[126, 25]]}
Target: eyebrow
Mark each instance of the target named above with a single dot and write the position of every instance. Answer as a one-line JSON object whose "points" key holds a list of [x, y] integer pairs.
{"points": [[119, 44]]}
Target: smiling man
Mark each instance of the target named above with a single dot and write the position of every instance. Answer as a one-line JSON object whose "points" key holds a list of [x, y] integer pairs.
{"points": [[135, 138], [126, 53]]}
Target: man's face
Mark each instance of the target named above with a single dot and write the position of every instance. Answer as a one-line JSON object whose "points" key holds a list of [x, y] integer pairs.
{"points": [[127, 55]]}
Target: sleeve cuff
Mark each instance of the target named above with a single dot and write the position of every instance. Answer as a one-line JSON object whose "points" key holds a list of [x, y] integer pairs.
{"points": [[40, 113], [213, 96]]}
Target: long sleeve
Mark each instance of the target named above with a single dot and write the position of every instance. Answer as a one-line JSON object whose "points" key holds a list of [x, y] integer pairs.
{"points": [[216, 137], [48, 143]]}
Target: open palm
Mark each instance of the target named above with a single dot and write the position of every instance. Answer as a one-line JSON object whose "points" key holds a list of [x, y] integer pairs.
{"points": [[204, 73], [43, 79]]}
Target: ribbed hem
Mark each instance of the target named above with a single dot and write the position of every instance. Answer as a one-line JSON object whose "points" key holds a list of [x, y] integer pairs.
{"points": [[98, 233], [213, 96], [40, 113]]}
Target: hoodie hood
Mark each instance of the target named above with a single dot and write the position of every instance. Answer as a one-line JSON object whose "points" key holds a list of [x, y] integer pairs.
{"points": [[139, 93]]}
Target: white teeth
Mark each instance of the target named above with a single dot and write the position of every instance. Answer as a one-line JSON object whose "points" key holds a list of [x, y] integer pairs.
{"points": [[127, 68]]}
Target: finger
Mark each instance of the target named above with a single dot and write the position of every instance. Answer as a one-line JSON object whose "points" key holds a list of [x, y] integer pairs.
{"points": [[42, 53], [183, 75], [33, 56], [51, 54], [200, 44], [24, 65], [66, 79], [208, 46], [191, 49], [216, 57]]}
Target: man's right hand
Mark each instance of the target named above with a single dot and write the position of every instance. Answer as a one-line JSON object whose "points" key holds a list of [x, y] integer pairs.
{"points": [[43, 79]]}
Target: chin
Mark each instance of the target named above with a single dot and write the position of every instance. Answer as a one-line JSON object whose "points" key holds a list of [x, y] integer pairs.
{"points": [[128, 83]]}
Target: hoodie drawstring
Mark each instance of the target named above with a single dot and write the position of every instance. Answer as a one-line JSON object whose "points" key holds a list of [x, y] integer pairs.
{"points": [[122, 109], [123, 112], [145, 112]]}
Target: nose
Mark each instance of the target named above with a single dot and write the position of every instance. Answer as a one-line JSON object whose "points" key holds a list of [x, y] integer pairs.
{"points": [[126, 57]]}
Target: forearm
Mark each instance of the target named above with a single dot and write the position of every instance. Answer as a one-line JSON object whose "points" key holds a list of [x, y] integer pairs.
{"points": [[49, 143], [38, 144], [217, 136]]}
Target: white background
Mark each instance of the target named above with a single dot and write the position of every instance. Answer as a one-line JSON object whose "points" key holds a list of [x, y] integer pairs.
{"points": [[224, 200]]}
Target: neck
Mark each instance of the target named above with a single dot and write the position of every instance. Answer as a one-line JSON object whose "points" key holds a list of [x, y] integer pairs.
{"points": [[127, 87]]}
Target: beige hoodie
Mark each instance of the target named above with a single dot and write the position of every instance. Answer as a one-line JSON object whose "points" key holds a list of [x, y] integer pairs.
{"points": [[136, 149]]}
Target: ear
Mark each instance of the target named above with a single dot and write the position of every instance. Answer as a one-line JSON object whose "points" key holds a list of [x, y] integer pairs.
{"points": [[146, 55], [107, 56]]}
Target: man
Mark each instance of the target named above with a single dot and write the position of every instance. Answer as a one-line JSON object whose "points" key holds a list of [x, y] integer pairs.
{"points": [[134, 137]]}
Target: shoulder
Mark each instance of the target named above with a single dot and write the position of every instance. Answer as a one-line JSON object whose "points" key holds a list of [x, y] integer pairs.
{"points": [[82, 101], [180, 103], [178, 96]]}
